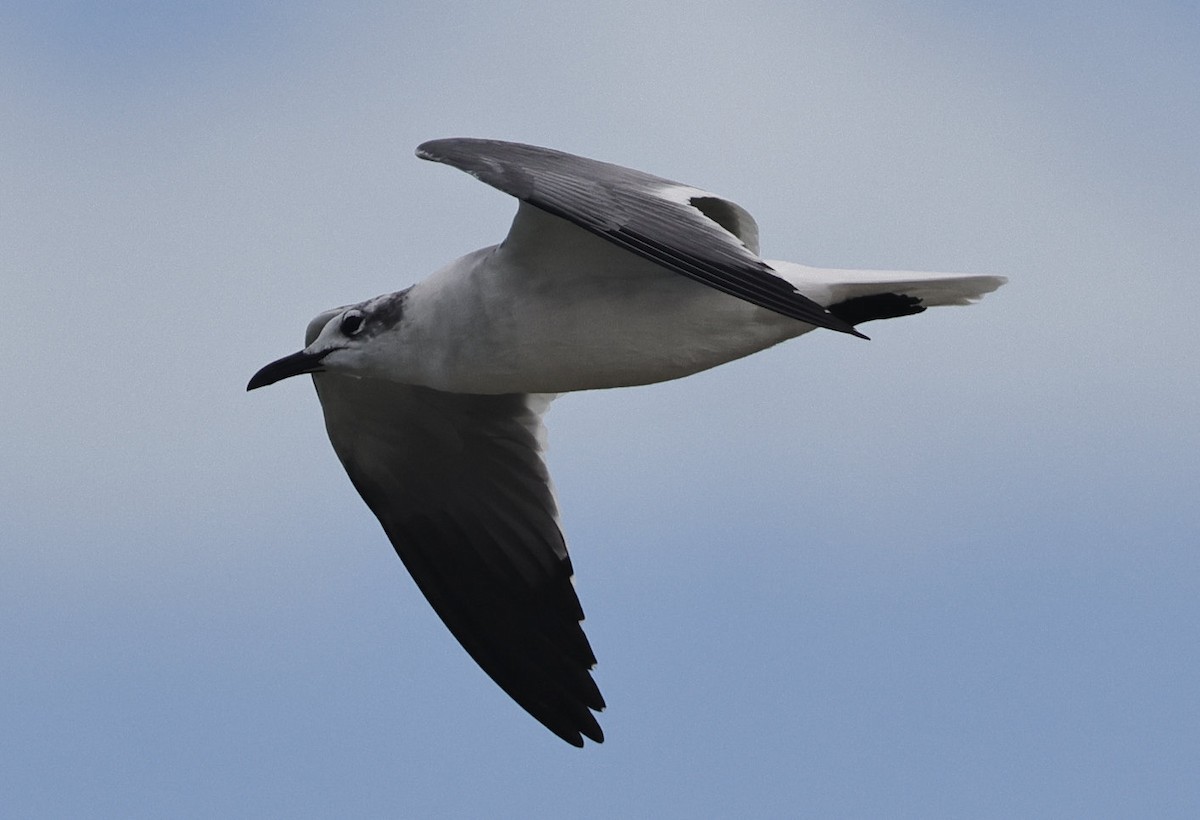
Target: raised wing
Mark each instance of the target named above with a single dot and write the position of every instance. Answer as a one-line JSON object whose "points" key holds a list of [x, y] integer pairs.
{"points": [[681, 228], [460, 487]]}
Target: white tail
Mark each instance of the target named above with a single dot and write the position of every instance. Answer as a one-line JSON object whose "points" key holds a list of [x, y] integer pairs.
{"points": [[880, 294]]}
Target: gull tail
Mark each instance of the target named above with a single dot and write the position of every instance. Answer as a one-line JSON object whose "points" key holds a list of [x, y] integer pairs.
{"points": [[858, 296]]}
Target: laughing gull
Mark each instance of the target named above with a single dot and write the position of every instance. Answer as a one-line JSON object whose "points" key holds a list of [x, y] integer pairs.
{"points": [[433, 396]]}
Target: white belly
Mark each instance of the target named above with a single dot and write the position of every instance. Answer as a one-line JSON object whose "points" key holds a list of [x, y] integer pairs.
{"points": [[495, 323]]}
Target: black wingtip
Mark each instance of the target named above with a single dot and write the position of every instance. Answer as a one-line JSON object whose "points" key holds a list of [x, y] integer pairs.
{"points": [[876, 306], [837, 322], [593, 733], [841, 323], [436, 150]]}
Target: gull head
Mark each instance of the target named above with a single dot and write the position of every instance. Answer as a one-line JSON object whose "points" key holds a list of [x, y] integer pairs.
{"points": [[343, 340]]}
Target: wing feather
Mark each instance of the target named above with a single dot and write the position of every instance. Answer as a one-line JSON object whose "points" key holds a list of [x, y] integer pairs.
{"points": [[673, 225], [460, 486]]}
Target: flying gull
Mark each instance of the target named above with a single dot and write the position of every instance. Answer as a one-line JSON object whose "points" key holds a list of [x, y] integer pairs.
{"points": [[433, 396]]}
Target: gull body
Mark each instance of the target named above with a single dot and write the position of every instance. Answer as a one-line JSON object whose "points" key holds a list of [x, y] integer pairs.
{"points": [[507, 320], [433, 396]]}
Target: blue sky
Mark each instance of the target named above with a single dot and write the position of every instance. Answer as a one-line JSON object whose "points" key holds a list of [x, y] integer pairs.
{"points": [[949, 572]]}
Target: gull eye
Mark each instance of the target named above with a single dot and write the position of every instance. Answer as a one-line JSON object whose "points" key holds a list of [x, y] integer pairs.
{"points": [[352, 323]]}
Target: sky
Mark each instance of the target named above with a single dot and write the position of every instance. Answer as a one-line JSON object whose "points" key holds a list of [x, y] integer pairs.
{"points": [[950, 572]]}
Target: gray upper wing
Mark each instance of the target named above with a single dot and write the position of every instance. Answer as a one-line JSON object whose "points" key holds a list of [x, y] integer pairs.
{"points": [[460, 487], [676, 226]]}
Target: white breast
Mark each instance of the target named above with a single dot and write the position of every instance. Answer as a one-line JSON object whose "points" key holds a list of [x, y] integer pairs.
{"points": [[498, 322]]}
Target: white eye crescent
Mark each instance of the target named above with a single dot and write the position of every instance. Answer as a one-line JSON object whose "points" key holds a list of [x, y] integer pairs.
{"points": [[352, 322]]}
